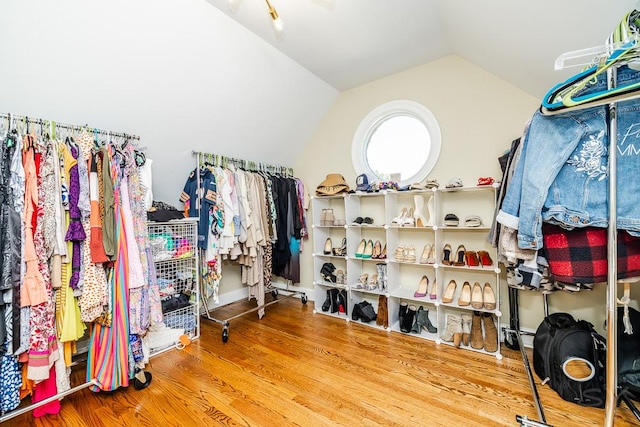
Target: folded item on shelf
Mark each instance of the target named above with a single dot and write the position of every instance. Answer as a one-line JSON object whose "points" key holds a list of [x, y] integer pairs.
{"points": [[451, 220], [174, 302], [473, 221]]}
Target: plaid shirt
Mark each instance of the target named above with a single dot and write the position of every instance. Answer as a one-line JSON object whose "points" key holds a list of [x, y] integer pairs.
{"points": [[580, 255]]}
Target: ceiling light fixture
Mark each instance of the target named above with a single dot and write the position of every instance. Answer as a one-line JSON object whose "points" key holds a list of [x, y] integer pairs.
{"points": [[277, 22]]}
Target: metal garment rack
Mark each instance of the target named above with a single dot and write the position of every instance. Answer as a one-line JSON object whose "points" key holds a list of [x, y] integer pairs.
{"points": [[223, 161], [611, 400], [51, 126]]}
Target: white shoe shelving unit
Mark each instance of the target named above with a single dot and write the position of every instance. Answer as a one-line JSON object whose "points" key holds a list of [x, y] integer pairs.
{"points": [[403, 278]]}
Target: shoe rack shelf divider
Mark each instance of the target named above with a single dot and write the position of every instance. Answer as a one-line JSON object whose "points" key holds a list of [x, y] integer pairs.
{"points": [[403, 278]]}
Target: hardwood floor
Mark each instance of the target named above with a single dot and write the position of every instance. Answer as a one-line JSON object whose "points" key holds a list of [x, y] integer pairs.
{"points": [[296, 368]]}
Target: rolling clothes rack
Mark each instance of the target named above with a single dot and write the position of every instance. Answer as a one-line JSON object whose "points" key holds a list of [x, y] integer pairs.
{"points": [[627, 29], [224, 161], [52, 128]]}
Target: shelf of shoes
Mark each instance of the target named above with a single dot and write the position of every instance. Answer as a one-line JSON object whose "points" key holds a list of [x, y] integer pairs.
{"points": [[467, 271], [329, 255], [408, 284]]}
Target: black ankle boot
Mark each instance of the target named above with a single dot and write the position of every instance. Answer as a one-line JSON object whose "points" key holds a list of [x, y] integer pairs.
{"points": [[402, 313], [326, 305], [407, 320]]}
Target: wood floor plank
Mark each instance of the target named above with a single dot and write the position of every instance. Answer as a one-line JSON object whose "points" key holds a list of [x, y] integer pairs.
{"points": [[297, 368]]}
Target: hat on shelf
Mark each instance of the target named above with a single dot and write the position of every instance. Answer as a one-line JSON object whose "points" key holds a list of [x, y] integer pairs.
{"points": [[334, 183], [362, 183]]}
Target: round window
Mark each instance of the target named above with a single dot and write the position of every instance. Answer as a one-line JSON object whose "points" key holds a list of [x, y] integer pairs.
{"points": [[398, 141]]}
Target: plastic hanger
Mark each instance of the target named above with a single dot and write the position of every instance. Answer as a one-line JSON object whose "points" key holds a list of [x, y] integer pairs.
{"points": [[562, 95], [623, 48]]}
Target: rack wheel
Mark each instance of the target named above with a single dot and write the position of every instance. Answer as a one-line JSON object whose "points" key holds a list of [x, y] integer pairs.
{"points": [[511, 340], [225, 334], [303, 299], [274, 293]]}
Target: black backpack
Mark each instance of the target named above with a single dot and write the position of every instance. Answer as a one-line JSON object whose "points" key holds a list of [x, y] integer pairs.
{"points": [[570, 356], [629, 355]]}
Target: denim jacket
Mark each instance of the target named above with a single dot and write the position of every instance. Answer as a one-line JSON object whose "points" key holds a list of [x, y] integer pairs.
{"points": [[562, 175]]}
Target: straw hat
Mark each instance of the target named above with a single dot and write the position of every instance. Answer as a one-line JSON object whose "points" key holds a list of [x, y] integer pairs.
{"points": [[334, 183]]}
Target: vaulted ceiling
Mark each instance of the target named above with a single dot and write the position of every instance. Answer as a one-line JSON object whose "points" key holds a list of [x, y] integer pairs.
{"points": [[351, 42]]}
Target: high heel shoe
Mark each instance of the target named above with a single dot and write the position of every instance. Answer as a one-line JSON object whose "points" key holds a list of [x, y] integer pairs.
{"points": [[408, 220], [373, 282], [476, 296], [422, 288], [446, 255], [431, 259], [377, 250], [342, 250], [464, 299], [410, 254], [471, 258], [418, 213], [459, 262], [424, 258], [488, 297], [368, 250], [327, 246], [485, 258], [399, 220], [433, 293], [398, 254], [422, 321], [383, 254], [450, 290], [361, 248], [363, 281]]}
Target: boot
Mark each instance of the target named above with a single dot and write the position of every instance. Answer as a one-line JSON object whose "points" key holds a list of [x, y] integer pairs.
{"points": [[432, 212], [342, 302], [476, 339], [466, 328], [407, 321], [333, 292], [381, 268], [402, 312], [326, 305], [423, 322], [490, 333], [453, 330], [383, 316], [418, 211]]}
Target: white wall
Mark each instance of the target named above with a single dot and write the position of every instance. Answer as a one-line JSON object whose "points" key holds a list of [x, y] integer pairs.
{"points": [[479, 115], [181, 74]]}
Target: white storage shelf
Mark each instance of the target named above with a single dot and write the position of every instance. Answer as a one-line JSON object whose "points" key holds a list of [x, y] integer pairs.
{"points": [[403, 278]]}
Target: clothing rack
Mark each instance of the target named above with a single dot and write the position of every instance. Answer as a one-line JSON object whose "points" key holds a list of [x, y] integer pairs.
{"points": [[627, 28], [202, 159], [224, 161], [53, 125], [50, 126]]}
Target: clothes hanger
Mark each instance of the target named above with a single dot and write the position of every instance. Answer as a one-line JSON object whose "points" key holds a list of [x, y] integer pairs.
{"points": [[562, 96], [622, 48]]}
